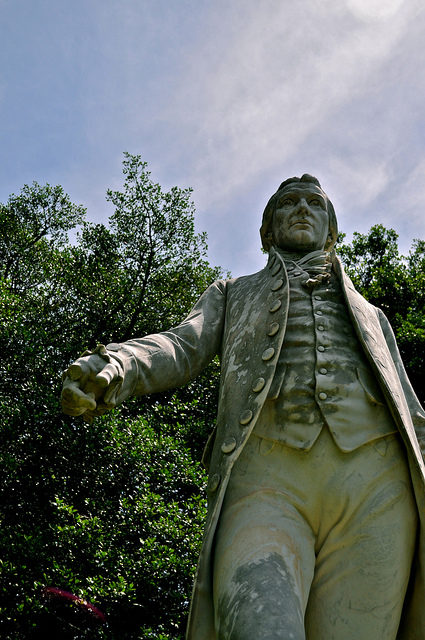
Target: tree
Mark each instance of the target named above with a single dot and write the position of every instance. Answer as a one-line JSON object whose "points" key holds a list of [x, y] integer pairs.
{"points": [[396, 284], [113, 511]]}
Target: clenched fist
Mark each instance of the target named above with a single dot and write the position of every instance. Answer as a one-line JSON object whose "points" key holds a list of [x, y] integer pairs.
{"points": [[90, 384]]}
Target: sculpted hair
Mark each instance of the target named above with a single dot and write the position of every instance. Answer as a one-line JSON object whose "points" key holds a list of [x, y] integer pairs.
{"points": [[267, 222]]}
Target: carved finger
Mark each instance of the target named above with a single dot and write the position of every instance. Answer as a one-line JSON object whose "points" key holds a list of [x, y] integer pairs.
{"points": [[110, 394], [79, 369], [75, 400], [107, 375]]}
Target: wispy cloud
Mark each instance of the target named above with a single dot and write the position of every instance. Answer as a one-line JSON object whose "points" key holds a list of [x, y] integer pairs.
{"points": [[227, 97], [281, 75]]}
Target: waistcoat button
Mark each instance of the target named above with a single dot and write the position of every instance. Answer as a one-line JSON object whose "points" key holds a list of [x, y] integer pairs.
{"points": [[321, 348], [275, 270], [323, 370], [322, 395]]}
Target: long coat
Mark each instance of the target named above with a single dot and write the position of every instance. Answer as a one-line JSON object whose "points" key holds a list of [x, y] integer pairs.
{"points": [[244, 320]]}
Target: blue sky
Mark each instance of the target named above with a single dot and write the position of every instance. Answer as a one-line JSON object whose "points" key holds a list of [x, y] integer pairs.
{"points": [[226, 96]]}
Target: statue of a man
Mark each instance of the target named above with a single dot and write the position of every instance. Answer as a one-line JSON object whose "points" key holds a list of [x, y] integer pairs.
{"points": [[316, 486]]}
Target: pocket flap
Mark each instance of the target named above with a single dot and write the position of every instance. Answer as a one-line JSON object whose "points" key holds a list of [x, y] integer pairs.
{"points": [[277, 382], [370, 386]]}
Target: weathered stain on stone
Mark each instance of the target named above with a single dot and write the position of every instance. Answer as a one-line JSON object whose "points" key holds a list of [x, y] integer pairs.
{"points": [[262, 603]]}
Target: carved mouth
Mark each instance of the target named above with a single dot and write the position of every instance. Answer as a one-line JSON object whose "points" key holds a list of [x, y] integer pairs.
{"points": [[303, 223]]}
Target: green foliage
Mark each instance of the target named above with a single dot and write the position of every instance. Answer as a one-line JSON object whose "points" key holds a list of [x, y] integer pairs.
{"points": [[33, 224], [112, 512], [119, 525], [396, 284]]}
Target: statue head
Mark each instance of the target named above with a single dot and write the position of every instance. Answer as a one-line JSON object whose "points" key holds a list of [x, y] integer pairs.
{"points": [[299, 217]]}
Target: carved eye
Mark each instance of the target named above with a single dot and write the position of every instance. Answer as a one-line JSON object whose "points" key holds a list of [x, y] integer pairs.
{"points": [[287, 202], [315, 202]]}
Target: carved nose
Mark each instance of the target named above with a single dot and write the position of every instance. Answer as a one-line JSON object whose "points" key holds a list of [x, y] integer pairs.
{"points": [[302, 205]]}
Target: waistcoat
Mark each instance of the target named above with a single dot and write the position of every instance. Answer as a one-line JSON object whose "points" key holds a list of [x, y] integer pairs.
{"points": [[322, 379]]}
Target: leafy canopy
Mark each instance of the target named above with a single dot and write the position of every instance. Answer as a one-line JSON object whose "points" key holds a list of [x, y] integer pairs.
{"points": [[111, 512], [396, 284]]}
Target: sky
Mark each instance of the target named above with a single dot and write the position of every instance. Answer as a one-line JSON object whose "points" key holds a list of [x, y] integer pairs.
{"points": [[229, 97]]}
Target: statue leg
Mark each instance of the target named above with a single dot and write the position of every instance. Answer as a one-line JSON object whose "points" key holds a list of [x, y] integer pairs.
{"points": [[315, 544], [264, 558], [260, 590], [364, 559]]}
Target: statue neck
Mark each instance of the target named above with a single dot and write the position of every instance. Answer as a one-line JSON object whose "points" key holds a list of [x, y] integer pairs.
{"points": [[303, 256]]}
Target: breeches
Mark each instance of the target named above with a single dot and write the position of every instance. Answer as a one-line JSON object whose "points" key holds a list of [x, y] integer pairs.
{"points": [[316, 544]]}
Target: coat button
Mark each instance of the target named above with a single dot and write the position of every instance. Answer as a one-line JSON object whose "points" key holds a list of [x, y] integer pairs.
{"points": [[323, 395], [228, 445], [213, 483], [275, 306], [272, 261], [275, 270], [277, 285], [273, 329], [258, 385], [245, 417], [268, 354]]}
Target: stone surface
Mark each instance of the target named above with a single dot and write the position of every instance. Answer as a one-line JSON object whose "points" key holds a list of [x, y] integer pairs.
{"points": [[316, 487]]}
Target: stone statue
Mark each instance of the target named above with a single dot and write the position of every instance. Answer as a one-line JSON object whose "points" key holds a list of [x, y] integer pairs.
{"points": [[316, 486]]}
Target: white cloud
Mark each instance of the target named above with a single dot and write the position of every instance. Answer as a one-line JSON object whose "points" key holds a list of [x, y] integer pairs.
{"points": [[283, 73], [228, 97], [374, 9], [360, 182], [408, 203]]}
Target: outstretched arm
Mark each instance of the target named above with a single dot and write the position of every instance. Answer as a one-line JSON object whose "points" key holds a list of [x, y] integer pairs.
{"points": [[104, 378]]}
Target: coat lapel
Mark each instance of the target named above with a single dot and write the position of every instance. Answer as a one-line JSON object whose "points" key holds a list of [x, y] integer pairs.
{"points": [[369, 331]]}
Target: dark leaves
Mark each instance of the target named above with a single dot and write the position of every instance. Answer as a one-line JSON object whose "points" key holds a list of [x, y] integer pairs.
{"points": [[396, 284], [113, 512]]}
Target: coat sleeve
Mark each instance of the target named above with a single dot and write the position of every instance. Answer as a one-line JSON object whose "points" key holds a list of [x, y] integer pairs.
{"points": [[170, 359], [416, 410]]}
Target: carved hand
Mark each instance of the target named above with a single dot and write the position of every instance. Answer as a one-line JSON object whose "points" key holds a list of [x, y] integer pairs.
{"points": [[89, 384]]}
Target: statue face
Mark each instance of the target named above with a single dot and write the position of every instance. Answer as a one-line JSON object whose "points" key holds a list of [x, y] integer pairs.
{"points": [[300, 221]]}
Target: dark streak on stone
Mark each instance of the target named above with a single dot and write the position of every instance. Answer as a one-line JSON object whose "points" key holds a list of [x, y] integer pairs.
{"points": [[263, 604]]}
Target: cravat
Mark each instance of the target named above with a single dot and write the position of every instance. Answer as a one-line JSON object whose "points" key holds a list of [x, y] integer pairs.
{"points": [[316, 266]]}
